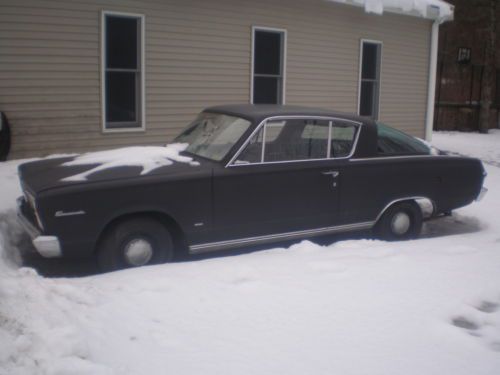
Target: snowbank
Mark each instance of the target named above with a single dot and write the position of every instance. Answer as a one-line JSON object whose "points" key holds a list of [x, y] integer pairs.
{"points": [[146, 157], [420, 7], [429, 306]]}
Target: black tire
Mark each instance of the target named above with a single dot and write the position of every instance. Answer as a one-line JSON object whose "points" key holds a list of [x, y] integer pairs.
{"points": [[407, 213], [116, 248]]}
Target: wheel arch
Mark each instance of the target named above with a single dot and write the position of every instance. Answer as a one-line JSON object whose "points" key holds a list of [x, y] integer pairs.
{"points": [[426, 205], [178, 235]]}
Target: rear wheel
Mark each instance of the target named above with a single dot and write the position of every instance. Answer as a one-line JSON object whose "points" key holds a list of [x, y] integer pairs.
{"points": [[402, 221], [136, 242]]}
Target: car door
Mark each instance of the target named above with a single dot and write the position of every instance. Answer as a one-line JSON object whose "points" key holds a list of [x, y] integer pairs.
{"points": [[283, 181]]}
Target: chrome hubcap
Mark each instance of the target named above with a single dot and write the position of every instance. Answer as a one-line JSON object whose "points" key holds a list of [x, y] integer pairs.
{"points": [[138, 252], [400, 223]]}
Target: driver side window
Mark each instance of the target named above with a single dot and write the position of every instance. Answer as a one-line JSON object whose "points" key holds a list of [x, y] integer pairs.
{"points": [[287, 140]]}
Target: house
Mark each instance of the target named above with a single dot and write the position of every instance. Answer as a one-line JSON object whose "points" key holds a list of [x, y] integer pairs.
{"points": [[80, 75]]}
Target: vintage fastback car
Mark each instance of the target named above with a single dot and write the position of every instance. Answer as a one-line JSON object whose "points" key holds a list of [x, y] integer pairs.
{"points": [[257, 174]]}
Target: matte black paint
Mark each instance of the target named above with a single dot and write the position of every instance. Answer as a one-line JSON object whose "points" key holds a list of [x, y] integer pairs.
{"points": [[213, 202]]}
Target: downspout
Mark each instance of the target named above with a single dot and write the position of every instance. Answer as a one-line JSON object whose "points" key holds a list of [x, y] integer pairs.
{"points": [[431, 94]]}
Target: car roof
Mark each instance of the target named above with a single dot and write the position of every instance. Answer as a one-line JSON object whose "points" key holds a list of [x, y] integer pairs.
{"points": [[258, 112]]}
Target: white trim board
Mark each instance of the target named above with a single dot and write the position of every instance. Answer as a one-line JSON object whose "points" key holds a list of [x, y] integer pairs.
{"points": [[373, 41], [142, 19], [284, 57]]}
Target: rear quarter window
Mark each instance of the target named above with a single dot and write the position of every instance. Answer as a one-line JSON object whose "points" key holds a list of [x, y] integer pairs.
{"points": [[392, 142]]}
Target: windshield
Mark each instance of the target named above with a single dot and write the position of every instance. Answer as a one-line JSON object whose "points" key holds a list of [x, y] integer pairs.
{"points": [[212, 135]]}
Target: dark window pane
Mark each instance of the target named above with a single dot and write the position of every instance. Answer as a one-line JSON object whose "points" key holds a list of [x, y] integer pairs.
{"points": [[266, 90], [253, 152], [394, 142], [121, 89], [343, 134], [298, 140], [121, 42], [370, 61], [267, 53], [368, 99]]}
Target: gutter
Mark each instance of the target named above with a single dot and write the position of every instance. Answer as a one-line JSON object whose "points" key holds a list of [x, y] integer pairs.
{"points": [[433, 57], [431, 87]]}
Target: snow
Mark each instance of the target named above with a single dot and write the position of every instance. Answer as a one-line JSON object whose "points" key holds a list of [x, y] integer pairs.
{"points": [[358, 306], [420, 7], [148, 158], [484, 146]]}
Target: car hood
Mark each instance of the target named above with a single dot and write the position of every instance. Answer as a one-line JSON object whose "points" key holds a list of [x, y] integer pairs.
{"points": [[40, 175]]}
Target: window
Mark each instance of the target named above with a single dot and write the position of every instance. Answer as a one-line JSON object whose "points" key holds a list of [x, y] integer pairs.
{"points": [[123, 71], [212, 135], [342, 138], [268, 66], [392, 142], [299, 139], [369, 85]]}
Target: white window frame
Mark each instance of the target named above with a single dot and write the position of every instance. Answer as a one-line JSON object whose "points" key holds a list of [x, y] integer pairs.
{"points": [[142, 104], [379, 42], [283, 63]]}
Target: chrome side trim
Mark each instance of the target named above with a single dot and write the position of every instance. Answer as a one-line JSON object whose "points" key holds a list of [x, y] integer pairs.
{"points": [[214, 246], [272, 118], [397, 157], [70, 213], [422, 202]]}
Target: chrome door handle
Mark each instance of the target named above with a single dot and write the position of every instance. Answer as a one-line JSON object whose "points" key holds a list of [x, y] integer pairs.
{"points": [[334, 174]]}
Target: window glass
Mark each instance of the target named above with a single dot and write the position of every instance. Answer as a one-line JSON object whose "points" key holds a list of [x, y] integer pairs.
{"points": [[120, 97], [253, 151], [298, 140], [266, 90], [393, 142], [122, 81], [121, 42], [268, 67], [212, 135], [343, 136], [370, 61], [267, 55]]}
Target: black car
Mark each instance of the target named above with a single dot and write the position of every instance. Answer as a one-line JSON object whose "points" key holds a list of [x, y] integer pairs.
{"points": [[244, 174]]}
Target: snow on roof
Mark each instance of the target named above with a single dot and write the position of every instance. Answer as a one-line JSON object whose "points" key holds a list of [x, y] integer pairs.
{"points": [[431, 9], [147, 157]]}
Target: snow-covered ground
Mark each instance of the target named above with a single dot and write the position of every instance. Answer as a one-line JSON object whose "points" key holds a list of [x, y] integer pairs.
{"points": [[429, 306]]}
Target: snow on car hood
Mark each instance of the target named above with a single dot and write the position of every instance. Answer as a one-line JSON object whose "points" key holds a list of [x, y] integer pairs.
{"points": [[148, 158]]}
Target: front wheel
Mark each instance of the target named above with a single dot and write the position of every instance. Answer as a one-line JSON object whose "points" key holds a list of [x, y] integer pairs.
{"points": [[402, 221], [135, 242]]}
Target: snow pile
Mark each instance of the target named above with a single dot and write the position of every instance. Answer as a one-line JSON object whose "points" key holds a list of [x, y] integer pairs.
{"points": [[429, 306], [146, 157], [420, 7], [483, 146]]}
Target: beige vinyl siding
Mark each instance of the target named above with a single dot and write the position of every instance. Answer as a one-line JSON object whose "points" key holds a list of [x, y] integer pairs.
{"points": [[198, 54]]}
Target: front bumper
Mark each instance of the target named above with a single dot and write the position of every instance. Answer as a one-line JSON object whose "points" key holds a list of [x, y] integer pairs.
{"points": [[46, 246]]}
